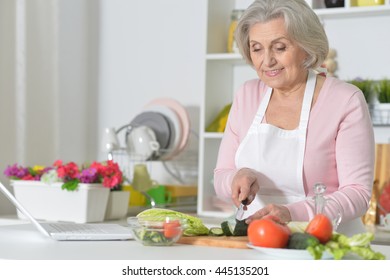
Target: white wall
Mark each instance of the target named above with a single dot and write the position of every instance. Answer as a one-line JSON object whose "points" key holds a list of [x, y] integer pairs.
{"points": [[362, 45], [149, 49], [7, 84], [44, 83]]}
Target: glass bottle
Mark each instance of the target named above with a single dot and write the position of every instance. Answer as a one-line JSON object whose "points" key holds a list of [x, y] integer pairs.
{"points": [[320, 203], [235, 16]]}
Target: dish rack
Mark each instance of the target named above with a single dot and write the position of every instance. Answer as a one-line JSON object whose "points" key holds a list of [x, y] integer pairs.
{"points": [[183, 169]]}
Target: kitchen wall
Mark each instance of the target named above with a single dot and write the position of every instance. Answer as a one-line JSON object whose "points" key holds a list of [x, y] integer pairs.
{"points": [[47, 67], [77, 67], [149, 49]]}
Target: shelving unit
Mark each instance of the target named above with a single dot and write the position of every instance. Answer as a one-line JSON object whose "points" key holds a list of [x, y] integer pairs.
{"points": [[225, 72], [350, 9]]}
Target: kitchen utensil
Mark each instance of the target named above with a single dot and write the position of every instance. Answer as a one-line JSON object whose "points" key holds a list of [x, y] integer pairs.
{"points": [[183, 117], [241, 210], [239, 242], [141, 178], [334, 3], [175, 128], [158, 122], [110, 140], [142, 143], [156, 233], [159, 194], [287, 254]]}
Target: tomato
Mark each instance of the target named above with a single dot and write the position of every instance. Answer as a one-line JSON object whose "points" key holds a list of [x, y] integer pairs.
{"points": [[321, 227], [171, 228], [268, 233]]}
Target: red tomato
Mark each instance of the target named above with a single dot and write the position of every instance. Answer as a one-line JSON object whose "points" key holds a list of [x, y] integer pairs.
{"points": [[171, 228], [384, 199], [321, 227], [268, 233]]}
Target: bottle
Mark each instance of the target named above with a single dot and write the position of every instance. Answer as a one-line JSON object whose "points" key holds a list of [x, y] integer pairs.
{"points": [[235, 16]]}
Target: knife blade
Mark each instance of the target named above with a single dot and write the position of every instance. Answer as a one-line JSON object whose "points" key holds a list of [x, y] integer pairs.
{"points": [[241, 210]]}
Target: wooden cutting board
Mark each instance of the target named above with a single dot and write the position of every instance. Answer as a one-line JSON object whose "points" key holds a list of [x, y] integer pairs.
{"points": [[216, 241]]}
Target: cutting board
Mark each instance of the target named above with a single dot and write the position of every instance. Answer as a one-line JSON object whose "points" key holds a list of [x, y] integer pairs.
{"points": [[216, 241]]}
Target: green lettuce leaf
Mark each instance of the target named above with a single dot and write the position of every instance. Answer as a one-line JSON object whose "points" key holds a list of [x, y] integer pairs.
{"points": [[193, 225], [340, 245], [358, 240], [316, 251]]}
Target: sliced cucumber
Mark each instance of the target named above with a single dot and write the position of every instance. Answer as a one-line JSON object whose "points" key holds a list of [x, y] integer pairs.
{"points": [[216, 231], [227, 228], [241, 228]]}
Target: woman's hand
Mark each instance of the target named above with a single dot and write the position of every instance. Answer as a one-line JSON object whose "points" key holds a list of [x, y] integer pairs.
{"points": [[244, 186], [281, 213]]}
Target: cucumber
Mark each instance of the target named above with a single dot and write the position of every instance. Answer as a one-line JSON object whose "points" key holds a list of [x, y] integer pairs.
{"points": [[227, 228], [301, 240], [216, 231], [241, 228]]}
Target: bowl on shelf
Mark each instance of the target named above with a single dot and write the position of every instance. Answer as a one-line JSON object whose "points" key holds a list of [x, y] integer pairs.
{"points": [[156, 233], [334, 3]]}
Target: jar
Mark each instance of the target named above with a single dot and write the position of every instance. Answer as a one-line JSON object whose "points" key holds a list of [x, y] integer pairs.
{"points": [[334, 3], [370, 2], [232, 45]]}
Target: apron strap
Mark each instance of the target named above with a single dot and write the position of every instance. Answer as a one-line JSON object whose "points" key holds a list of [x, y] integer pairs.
{"points": [[263, 107], [303, 122], [307, 100]]}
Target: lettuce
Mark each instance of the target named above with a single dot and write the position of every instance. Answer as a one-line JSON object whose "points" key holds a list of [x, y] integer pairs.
{"points": [[340, 245], [193, 226]]}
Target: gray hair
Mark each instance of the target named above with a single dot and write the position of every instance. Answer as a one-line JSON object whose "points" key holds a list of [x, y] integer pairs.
{"points": [[302, 25]]}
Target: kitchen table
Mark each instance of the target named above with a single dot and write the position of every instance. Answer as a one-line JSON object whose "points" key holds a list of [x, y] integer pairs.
{"points": [[21, 240]]}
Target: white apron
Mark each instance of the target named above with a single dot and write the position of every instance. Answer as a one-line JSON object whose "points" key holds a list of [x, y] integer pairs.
{"points": [[279, 154]]}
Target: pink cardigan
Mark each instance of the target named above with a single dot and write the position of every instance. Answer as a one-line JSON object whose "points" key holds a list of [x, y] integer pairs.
{"points": [[340, 147]]}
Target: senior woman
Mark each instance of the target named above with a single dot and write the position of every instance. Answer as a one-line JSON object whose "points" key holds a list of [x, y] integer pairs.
{"points": [[292, 128]]}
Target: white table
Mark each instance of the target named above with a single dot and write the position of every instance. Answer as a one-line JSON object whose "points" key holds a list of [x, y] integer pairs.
{"points": [[20, 240]]}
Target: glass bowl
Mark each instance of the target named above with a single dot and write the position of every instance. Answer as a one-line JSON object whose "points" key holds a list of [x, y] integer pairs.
{"points": [[156, 233]]}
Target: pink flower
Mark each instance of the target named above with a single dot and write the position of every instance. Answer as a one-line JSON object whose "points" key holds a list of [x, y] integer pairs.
{"points": [[108, 173], [68, 171]]}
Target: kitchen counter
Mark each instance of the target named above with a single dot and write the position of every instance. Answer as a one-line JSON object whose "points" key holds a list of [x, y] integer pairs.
{"points": [[20, 240]]}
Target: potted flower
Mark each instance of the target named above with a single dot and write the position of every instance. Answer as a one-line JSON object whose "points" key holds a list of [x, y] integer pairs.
{"points": [[67, 192]]}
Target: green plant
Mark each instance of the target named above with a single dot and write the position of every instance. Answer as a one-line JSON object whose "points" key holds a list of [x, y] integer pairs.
{"points": [[365, 86], [382, 89]]}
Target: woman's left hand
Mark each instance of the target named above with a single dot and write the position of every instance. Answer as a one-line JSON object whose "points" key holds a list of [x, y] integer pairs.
{"points": [[279, 211]]}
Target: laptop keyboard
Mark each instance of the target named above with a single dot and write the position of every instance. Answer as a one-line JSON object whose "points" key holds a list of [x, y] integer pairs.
{"points": [[76, 228]]}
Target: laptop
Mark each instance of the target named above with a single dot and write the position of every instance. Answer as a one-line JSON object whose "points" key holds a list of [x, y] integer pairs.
{"points": [[72, 231]]}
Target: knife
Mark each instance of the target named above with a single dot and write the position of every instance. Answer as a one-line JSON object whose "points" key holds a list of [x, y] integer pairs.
{"points": [[241, 210]]}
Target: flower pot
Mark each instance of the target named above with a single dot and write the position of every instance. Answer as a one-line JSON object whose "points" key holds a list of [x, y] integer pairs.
{"points": [[87, 203], [380, 113], [117, 206]]}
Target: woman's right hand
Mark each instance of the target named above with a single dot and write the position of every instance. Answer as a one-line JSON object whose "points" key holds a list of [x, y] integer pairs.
{"points": [[244, 186]]}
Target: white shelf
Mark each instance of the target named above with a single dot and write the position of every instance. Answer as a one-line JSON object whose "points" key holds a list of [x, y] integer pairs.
{"points": [[353, 11], [224, 56], [213, 135]]}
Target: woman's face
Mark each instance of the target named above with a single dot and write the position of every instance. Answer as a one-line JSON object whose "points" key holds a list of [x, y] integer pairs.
{"points": [[277, 59]]}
